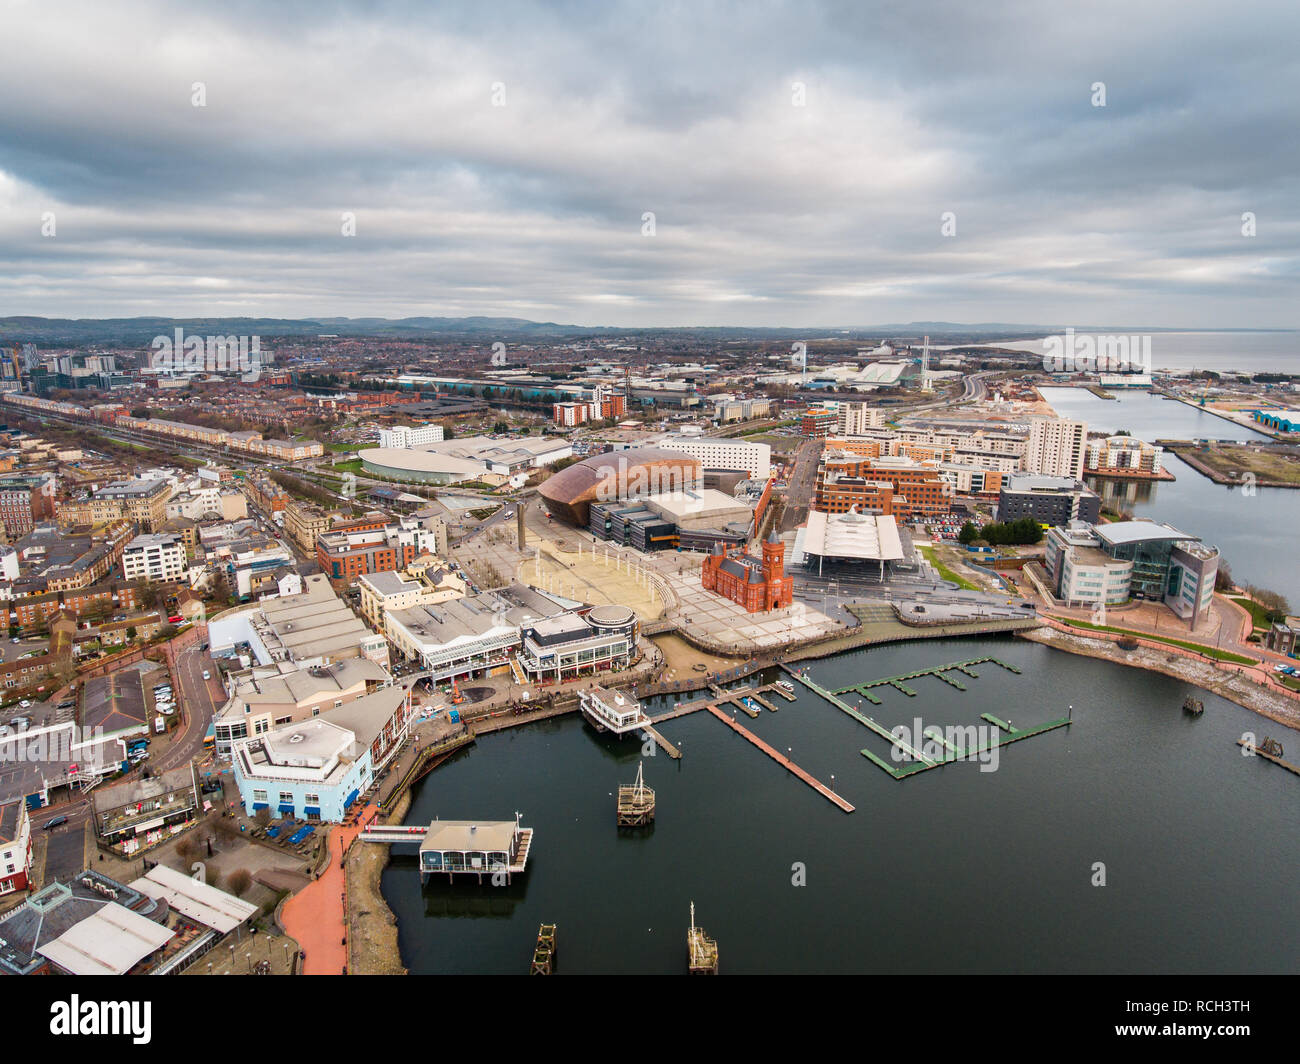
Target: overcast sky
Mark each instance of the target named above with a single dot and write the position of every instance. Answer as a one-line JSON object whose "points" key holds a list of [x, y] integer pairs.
{"points": [[765, 212]]}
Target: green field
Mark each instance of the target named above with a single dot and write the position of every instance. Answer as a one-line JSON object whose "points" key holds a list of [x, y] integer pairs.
{"points": [[1259, 614], [1199, 648]]}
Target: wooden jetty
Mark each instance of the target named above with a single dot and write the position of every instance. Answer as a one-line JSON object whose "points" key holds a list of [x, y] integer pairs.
{"points": [[723, 697], [782, 760], [636, 802], [1265, 750], [701, 951], [739, 703], [661, 742], [544, 954]]}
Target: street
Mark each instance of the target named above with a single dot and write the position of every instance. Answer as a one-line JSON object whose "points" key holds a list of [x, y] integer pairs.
{"points": [[199, 699]]}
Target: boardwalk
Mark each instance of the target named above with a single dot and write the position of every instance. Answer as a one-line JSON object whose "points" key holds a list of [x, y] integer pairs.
{"points": [[667, 747], [781, 759], [315, 917]]}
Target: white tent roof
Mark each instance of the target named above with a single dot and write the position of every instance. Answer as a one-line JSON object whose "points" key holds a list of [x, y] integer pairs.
{"points": [[111, 942], [195, 901], [854, 536]]}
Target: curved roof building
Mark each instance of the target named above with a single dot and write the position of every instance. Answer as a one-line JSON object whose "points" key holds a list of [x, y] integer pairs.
{"points": [[617, 475]]}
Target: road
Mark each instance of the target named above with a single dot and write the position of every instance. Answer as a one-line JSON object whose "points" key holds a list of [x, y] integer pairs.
{"points": [[199, 700], [802, 485], [65, 846]]}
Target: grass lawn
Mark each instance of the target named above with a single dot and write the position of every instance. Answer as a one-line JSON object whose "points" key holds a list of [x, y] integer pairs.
{"points": [[944, 572], [1200, 648], [1259, 614], [353, 466], [342, 448]]}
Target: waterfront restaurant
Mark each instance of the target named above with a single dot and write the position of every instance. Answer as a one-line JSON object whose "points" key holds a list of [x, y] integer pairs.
{"points": [[568, 646], [477, 847], [612, 711]]}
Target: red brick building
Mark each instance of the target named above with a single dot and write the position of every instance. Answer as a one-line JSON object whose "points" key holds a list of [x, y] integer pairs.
{"points": [[759, 586], [816, 422], [900, 487]]}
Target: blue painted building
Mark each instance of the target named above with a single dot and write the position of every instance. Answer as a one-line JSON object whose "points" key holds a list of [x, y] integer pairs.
{"points": [[1279, 420], [318, 768]]}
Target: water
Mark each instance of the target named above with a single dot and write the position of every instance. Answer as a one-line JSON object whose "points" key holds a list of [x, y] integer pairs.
{"points": [[1246, 352], [953, 870], [1146, 415], [1254, 533]]}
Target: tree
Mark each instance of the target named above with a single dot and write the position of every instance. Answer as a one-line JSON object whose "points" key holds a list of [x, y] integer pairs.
{"points": [[239, 881], [448, 433], [1276, 605], [500, 428], [226, 829], [968, 533], [131, 634], [1223, 578]]}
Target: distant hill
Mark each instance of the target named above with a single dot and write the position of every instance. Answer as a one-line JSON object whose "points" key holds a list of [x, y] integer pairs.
{"points": [[132, 331]]}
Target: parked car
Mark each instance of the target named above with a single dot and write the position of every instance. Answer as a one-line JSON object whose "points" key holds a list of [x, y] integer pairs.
{"points": [[54, 822], [207, 675]]}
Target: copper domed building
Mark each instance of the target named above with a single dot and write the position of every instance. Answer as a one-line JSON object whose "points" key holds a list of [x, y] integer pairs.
{"points": [[617, 475]]}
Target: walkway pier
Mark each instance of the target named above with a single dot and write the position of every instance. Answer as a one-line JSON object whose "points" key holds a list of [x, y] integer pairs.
{"points": [[782, 760], [1258, 752], [661, 742], [917, 760]]}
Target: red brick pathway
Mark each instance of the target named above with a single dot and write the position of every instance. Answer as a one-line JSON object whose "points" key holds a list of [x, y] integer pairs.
{"points": [[314, 916]]}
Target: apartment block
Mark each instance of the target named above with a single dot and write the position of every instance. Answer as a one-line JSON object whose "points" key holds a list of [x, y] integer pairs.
{"points": [[407, 436], [1056, 447], [346, 555], [744, 455], [155, 558], [854, 419]]}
